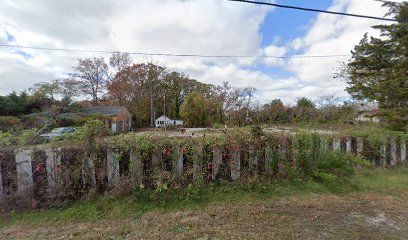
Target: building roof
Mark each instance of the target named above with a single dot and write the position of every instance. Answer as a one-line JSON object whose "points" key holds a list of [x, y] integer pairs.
{"points": [[105, 110], [163, 117], [167, 118]]}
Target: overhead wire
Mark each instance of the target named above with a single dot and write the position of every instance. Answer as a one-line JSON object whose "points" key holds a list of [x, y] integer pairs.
{"points": [[172, 54], [317, 10]]}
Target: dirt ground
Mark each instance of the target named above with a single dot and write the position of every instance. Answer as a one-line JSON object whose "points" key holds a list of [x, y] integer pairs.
{"points": [[351, 216]]}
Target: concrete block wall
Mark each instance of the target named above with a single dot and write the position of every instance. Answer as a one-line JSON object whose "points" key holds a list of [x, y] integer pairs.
{"points": [[393, 152]]}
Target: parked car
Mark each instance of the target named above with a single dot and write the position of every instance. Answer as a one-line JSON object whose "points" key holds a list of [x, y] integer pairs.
{"points": [[57, 132]]}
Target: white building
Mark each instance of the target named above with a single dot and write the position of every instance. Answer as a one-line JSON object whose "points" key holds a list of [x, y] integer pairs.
{"points": [[164, 121]]}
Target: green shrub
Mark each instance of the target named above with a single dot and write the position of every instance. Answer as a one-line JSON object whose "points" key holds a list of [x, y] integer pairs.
{"points": [[93, 129], [29, 136], [337, 163], [6, 139], [326, 177]]}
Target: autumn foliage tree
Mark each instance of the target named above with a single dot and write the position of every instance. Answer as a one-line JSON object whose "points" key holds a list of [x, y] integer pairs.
{"points": [[148, 90], [199, 111]]}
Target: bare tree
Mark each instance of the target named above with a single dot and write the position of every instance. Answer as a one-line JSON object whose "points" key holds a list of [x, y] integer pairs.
{"points": [[94, 73], [119, 61], [68, 88]]}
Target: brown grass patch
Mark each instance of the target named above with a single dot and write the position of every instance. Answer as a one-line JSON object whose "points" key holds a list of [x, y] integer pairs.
{"points": [[353, 216]]}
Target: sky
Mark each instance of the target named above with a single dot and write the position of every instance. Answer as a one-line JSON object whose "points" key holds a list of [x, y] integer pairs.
{"points": [[206, 27]]}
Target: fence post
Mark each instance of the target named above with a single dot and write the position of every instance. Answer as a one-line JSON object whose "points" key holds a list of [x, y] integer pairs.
{"points": [[348, 145], [1, 178], [24, 169], [235, 164], [383, 158], [178, 167], [53, 162], [324, 144], [156, 160], [403, 151], [136, 165], [336, 144], [393, 150], [112, 167], [198, 163], [88, 170], [217, 160], [268, 160], [253, 159], [295, 151], [360, 146]]}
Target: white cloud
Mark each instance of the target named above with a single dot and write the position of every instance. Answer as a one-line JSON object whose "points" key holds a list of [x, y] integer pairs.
{"points": [[330, 34], [277, 52], [209, 27]]}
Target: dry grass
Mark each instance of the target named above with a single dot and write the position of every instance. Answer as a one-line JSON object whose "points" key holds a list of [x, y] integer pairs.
{"points": [[355, 216], [377, 210]]}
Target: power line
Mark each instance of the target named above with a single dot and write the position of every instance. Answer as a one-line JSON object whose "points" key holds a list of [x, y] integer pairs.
{"points": [[173, 54], [316, 10]]}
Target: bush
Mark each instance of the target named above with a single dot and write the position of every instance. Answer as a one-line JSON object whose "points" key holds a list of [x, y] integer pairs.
{"points": [[92, 131], [336, 163], [29, 136], [8, 123], [36, 120], [6, 139]]}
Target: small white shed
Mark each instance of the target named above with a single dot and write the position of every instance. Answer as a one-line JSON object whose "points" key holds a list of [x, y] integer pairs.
{"points": [[164, 121]]}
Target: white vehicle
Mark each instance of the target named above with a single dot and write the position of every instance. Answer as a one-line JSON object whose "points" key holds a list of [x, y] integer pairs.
{"points": [[58, 132]]}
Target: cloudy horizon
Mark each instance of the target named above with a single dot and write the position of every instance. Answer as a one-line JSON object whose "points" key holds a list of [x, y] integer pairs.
{"points": [[205, 27]]}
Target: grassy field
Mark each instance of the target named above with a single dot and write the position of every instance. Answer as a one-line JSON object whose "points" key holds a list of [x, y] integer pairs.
{"points": [[371, 205]]}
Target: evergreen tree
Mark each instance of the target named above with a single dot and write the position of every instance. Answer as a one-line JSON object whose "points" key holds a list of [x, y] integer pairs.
{"points": [[378, 70]]}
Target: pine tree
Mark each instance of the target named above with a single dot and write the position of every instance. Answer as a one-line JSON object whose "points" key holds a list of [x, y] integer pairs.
{"points": [[378, 70]]}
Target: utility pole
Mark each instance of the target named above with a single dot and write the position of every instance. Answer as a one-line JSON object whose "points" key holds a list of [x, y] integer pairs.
{"points": [[151, 107], [164, 110]]}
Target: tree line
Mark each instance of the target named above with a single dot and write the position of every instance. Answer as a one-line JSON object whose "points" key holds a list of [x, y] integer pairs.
{"points": [[377, 72]]}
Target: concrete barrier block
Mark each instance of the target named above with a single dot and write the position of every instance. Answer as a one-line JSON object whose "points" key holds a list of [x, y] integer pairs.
{"points": [[393, 151], [336, 144], [235, 164], [383, 150], [53, 163], [179, 163], [360, 146], [113, 166], [348, 146], [1, 180], [217, 160], [88, 171], [24, 169], [198, 163], [268, 160], [253, 159], [136, 168]]}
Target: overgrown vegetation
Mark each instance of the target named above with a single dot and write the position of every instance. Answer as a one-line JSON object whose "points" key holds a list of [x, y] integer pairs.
{"points": [[139, 201], [304, 157]]}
